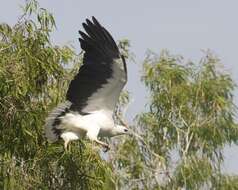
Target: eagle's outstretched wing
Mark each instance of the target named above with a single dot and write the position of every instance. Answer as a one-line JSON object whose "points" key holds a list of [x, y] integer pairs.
{"points": [[103, 74]]}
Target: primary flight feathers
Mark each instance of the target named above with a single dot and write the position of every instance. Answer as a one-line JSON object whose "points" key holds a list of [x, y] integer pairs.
{"points": [[97, 43]]}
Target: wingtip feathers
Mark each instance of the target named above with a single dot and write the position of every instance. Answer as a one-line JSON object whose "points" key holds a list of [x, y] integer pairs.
{"points": [[97, 34]]}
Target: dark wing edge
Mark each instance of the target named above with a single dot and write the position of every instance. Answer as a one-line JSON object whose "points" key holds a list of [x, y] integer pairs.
{"points": [[125, 68]]}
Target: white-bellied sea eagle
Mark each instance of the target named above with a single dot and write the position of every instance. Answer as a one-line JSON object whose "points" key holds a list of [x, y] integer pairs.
{"points": [[93, 93]]}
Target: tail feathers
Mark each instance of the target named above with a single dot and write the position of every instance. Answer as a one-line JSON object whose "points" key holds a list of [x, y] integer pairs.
{"points": [[52, 130]]}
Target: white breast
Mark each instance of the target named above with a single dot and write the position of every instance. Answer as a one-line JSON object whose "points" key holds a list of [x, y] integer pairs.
{"points": [[73, 121]]}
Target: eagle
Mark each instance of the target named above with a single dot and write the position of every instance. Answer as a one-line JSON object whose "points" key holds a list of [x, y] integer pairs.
{"points": [[92, 95]]}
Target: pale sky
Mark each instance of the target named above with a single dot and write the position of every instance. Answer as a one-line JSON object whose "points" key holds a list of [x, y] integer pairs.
{"points": [[184, 27]]}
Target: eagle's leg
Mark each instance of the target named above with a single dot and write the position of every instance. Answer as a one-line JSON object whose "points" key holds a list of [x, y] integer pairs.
{"points": [[105, 145], [67, 137], [66, 142], [92, 134]]}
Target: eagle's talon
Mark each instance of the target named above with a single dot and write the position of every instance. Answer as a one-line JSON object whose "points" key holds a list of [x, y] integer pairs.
{"points": [[106, 148]]}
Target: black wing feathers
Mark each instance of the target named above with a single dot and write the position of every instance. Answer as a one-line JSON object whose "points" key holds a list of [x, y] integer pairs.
{"points": [[77, 93], [100, 51], [98, 43]]}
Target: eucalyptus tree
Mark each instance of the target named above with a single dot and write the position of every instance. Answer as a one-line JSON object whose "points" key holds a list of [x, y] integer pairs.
{"points": [[179, 139], [33, 78]]}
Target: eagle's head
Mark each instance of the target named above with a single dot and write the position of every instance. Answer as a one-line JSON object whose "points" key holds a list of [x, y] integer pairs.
{"points": [[119, 130]]}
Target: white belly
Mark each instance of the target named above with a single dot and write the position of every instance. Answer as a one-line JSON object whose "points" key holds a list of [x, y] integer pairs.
{"points": [[80, 124]]}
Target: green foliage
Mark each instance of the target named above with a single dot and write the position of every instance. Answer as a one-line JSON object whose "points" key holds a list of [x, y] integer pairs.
{"points": [[179, 141], [34, 75]]}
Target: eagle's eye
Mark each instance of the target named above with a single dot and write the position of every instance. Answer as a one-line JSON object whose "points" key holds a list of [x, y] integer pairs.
{"points": [[125, 130]]}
